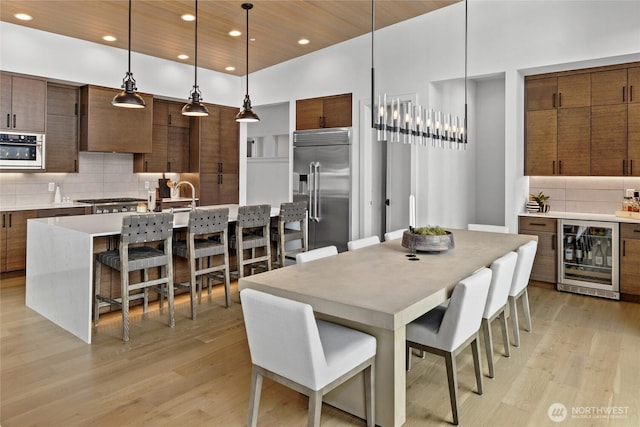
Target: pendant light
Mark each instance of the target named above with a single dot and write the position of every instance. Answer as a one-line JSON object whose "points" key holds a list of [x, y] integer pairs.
{"points": [[128, 98], [247, 114], [194, 107]]}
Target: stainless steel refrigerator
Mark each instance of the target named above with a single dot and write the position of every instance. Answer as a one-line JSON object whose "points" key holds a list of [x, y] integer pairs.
{"points": [[322, 177]]}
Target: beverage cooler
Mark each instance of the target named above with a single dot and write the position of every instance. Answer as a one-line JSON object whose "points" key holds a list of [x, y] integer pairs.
{"points": [[588, 258]]}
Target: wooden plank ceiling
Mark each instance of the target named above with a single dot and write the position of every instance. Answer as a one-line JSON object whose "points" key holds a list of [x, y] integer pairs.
{"points": [[157, 29]]}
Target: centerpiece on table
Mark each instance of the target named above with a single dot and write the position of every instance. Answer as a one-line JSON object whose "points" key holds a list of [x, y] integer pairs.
{"points": [[428, 239]]}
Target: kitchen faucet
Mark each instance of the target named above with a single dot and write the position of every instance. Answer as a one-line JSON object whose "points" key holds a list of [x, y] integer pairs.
{"points": [[193, 192]]}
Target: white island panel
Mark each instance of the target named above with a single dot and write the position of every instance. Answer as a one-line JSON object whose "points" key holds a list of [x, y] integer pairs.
{"points": [[59, 275]]}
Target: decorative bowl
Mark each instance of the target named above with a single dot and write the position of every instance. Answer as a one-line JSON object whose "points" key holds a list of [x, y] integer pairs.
{"points": [[428, 243]]}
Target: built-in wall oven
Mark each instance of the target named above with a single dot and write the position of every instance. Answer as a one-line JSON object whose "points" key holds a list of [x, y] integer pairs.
{"points": [[22, 151]]}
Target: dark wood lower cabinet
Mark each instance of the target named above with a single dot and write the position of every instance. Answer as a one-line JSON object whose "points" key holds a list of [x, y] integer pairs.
{"points": [[545, 266], [630, 259]]}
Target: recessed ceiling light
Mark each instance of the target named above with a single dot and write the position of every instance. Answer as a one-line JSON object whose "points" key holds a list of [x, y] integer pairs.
{"points": [[183, 56], [188, 17], [235, 33], [23, 16], [109, 38], [230, 68], [303, 41]]}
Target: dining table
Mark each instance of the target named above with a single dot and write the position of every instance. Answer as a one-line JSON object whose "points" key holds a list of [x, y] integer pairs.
{"points": [[60, 262], [379, 290]]}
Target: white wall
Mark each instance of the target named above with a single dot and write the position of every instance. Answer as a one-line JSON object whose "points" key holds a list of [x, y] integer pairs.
{"points": [[268, 170]]}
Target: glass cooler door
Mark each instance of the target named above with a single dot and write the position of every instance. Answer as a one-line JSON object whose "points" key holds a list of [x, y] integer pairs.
{"points": [[588, 259]]}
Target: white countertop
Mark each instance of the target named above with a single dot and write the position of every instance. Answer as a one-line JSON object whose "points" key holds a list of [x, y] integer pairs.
{"points": [[582, 216], [44, 206], [111, 224]]}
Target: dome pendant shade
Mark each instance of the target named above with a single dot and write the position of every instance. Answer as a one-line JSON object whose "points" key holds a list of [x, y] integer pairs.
{"points": [[195, 107], [247, 114], [128, 98]]}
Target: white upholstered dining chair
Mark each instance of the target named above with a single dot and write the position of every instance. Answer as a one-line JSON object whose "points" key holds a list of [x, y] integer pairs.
{"points": [[526, 255], [447, 330], [315, 254], [288, 345], [496, 307], [392, 235], [362, 243], [488, 227]]}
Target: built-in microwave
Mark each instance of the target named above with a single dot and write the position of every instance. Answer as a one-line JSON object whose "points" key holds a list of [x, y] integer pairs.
{"points": [[22, 151]]}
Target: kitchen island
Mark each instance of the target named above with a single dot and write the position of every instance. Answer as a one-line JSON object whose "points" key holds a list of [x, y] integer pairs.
{"points": [[60, 255]]}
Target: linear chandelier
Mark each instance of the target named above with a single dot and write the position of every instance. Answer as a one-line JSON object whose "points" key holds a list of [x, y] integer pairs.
{"points": [[401, 121]]}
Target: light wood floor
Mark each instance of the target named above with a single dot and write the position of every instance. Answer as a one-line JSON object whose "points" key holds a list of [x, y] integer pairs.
{"points": [[583, 352]]}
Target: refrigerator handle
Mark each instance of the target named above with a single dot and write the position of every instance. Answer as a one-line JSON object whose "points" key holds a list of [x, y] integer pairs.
{"points": [[316, 189], [311, 191]]}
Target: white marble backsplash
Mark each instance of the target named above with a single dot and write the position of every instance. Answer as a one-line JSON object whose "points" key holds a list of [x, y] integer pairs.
{"points": [[100, 175], [602, 195]]}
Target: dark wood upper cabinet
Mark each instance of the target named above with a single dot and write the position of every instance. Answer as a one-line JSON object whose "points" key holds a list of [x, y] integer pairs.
{"points": [[170, 140], [583, 122], [105, 128], [324, 112], [609, 87], [62, 128], [22, 103]]}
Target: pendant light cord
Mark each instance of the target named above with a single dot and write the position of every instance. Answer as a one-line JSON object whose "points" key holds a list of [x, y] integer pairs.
{"points": [[466, 14], [373, 75], [129, 68], [247, 53], [195, 59]]}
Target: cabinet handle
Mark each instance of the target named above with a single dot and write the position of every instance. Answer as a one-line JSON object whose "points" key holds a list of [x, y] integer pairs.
{"points": [[553, 167], [560, 167], [553, 100], [219, 167], [631, 93], [169, 166], [75, 165], [14, 121], [8, 120], [553, 242], [10, 220], [630, 167], [169, 120], [623, 94], [4, 220], [624, 248], [560, 99], [538, 224]]}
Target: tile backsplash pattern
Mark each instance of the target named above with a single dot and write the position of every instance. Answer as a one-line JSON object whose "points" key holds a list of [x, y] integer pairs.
{"points": [[583, 194], [100, 175]]}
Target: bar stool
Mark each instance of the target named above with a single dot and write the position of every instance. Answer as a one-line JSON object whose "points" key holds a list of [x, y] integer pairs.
{"points": [[315, 254], [291, 213], [137, 229], [206, 239], [252, 232]]}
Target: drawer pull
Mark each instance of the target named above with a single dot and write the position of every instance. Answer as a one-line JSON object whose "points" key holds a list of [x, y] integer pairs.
{"points": [[538, 224]]}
